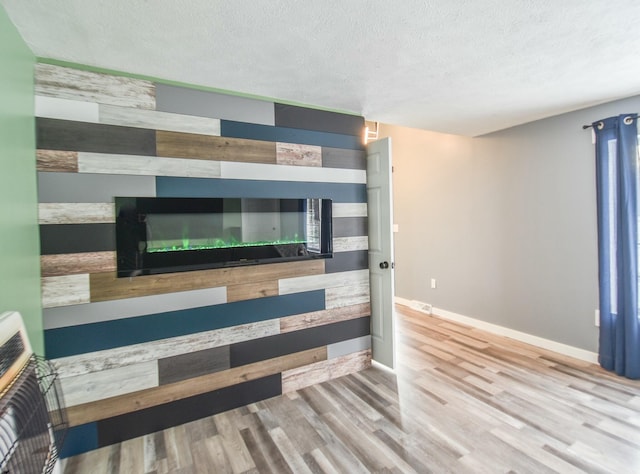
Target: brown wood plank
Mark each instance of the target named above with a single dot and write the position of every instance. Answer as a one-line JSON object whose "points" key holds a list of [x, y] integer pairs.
{"points": [[119, 405], [73, 263], [327, 316], [205, 147], [106, 286], [249, 291], [54, 160]]}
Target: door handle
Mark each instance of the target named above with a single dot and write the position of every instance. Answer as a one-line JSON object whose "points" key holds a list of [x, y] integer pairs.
{"points": [[384, 265]]}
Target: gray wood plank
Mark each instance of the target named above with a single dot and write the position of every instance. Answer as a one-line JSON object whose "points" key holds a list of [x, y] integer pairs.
{"points": [[92, 188], [181, 100]]}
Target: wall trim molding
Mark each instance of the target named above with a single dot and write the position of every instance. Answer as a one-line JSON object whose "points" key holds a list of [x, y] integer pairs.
{"points": [[548, 344]]}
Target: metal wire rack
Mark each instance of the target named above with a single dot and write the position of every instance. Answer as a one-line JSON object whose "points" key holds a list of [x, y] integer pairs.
{"points": [[33, 421]]}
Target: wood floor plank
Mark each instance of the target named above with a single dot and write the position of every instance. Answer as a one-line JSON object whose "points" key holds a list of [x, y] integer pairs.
{"points": [[233, 444], [460, 401]]}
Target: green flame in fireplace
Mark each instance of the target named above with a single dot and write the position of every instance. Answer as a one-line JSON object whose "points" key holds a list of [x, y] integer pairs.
{"points": [[185, 243]]}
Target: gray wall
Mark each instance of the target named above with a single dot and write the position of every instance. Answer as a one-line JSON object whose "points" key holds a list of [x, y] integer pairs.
{"points": [[505, 222]]}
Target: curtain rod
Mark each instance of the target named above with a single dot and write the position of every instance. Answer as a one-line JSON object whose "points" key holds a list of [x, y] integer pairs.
{"points": [[584, 127]]}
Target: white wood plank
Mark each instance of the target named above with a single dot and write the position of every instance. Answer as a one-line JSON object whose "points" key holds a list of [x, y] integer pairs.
{"points": [[109, 383], [76, 213], [68, 83], [131, 307], [349, 209], [329, 369], [65, 290], [338, 297], [141, 118], [148, 351], [66, 109], [105, 163], [288, 286], [236, 170], [347, 244], [298, 155]]}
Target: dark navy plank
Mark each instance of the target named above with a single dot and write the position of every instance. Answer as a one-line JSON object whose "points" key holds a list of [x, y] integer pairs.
{"points": [[310, 137], [52, 134], [343, 158], [192, 364], [350, 226], [80, 439], [204, 187], [138, 423], [292, 116], [67, 341], [269, 347], [252, 131], [77, 238], [347, 261]]}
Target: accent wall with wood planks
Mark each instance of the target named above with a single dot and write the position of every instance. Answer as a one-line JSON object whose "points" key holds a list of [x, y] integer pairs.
{"points": [[142, 354]]}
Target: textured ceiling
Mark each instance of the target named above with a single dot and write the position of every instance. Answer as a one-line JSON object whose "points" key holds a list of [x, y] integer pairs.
{"points": [[458, 66]]}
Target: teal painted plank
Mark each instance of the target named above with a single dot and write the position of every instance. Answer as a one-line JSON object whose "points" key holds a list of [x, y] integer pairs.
{"points": [[68, 341]]}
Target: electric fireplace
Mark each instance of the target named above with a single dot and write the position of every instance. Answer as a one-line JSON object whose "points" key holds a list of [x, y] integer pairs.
{"points": [[162, 235]]}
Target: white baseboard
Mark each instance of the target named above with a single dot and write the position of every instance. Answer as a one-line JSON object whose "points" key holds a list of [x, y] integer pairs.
{"points": [[548, 344]]}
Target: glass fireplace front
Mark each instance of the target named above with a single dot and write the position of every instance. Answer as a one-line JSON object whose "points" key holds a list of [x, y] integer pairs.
{"points": [[162, 235]]}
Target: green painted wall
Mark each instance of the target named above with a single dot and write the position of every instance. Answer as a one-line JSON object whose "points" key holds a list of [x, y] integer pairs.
{"points": [[19, 245]]}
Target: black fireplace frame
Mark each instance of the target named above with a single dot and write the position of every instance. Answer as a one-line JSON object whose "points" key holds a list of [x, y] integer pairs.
{"points": [[133, 259]]}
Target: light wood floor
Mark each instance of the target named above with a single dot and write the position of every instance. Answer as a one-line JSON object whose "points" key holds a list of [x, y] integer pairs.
{"points": [[463, 401]]}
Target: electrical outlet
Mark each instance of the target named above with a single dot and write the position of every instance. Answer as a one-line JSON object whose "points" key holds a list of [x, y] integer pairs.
{"points": [[597, 318], [433, 284]]}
